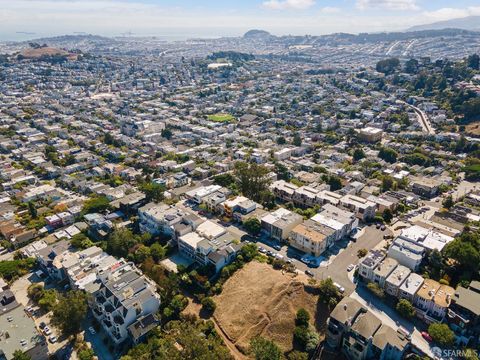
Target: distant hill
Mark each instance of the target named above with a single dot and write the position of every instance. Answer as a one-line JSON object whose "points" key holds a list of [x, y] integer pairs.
{"points": [[466, 23], [35, 53], [256, 34]]}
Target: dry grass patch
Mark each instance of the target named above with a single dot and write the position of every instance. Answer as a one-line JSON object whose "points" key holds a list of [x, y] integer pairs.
{"points": [[258, 300]]}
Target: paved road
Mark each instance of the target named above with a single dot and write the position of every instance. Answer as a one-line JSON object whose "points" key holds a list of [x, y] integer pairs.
{"points": [[422, 118], [337, 259]]}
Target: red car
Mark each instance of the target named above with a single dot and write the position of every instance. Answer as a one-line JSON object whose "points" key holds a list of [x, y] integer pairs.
{"points": [[426, 336]]}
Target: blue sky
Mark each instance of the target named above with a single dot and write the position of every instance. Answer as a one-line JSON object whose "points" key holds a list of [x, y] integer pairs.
{"points": [[212, 18]]}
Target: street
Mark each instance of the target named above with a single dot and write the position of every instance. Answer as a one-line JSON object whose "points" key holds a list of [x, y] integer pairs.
{"points": [[337, 259]]}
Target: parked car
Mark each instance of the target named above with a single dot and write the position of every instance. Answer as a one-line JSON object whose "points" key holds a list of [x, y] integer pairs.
{"points": [[53, 339], [262, 250], [378, 225], [404, 332], [350, 267], [42, 325], [92, 330], [47, 331], [426, 336], [309, 273], [383, 227], [277, 247], [340, 288]]}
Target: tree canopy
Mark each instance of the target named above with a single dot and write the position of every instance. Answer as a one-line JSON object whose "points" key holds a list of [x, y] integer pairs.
{"points": [[253, 180], [69, 312]]}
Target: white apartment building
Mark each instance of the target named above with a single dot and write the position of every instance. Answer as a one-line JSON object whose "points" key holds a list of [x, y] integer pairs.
{"points": [[383, 270], [406, 253], [396, 279], [410, 287], [124, 295], [364, 209]]}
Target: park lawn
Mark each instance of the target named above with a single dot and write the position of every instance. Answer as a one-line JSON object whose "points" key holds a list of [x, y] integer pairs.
{"points": [[221, 118]]}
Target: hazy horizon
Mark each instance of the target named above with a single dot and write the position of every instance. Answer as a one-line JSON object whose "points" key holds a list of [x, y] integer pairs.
{"points": [[182, 19]]}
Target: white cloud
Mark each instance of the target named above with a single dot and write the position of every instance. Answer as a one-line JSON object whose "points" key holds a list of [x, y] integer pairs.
{"points": [[388, 4], [330, 10], [451, 13], [288, 4]]}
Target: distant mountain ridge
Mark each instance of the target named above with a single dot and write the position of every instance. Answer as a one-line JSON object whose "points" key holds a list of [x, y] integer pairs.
{"points": [[466, 23]]}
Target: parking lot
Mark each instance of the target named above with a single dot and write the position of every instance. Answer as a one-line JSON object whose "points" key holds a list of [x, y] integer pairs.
{"points": [[41, 319]]}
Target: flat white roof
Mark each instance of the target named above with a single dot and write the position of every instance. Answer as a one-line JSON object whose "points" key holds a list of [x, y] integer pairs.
{"points": [[412, 284], [192, 239], [210, 230]]}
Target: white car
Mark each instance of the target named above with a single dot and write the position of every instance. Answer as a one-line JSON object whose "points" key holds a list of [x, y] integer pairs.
{"points": [[350, 267], [340, 288], [92, 330], [47, 331], [53, 339]]}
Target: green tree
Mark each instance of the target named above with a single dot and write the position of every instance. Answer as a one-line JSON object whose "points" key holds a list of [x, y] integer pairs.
{"points": [[376, 290], [142, 253], [334, 181], [208, 304], [32, 210], [86, 354], [358, 154], [387, 215], [69, 312], [362, 253], [327, 291], [441, 334], [448, 202], [96, 204], [81, 241], [48, 300], [411, 66], [297, 140], [157, 251], [182, 340], [252, 180], [167, 133], [297, 355], [303, 317], [20, 355], [387, 183], [225, 180], [153, 191], [252, 225], [388, 155], [281, 140], [388, 66], [121, 240], [474, 61], [405, 309], [465, 251], [264, 349], [35, 292]]}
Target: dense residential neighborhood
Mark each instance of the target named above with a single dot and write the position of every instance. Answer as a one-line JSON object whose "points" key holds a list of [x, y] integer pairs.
{"points": [[279, 200]]}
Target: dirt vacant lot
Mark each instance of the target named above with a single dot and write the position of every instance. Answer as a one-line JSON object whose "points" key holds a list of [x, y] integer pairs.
{"points": [[258, 300]]}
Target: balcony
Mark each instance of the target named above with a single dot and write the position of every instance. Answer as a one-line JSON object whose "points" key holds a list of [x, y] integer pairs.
{"points": [[118, 320], [107, 323], [109, 308]]}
